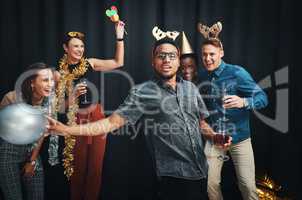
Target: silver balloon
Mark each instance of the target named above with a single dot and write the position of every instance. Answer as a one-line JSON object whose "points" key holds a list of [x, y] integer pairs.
{"points": [[21, 123]]}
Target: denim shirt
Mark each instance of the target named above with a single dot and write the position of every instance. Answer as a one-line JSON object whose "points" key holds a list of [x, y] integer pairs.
{"points": [[170, 119], [235, 80]]}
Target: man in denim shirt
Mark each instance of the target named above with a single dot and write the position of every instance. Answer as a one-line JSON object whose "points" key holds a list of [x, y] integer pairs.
{"points": [[170, 110], [229, 91]]}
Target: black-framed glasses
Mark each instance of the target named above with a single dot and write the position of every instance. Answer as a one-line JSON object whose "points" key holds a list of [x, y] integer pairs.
{"points": [[163, 55]]}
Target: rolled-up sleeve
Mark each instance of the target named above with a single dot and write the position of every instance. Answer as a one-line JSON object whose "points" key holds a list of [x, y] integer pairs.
{"points": [[132, 108], [248, 88]]}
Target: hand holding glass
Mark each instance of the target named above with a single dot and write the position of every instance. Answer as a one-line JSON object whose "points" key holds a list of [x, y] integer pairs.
{"points": [[83, 99]]}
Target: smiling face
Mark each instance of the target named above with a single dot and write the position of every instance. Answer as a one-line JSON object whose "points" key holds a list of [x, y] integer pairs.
{"points": [[74, 50], [166, 60], [43, 83], [188, 68], [211, 56]]}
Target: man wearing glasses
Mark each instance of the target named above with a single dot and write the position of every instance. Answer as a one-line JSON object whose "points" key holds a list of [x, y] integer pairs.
{"points": [[170, 110]]}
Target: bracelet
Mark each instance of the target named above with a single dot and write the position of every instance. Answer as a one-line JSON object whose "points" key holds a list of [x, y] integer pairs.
{"points": [[119, 39]]}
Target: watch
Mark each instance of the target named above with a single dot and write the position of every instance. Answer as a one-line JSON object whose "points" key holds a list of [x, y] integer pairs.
{"points": [[245, 102]]}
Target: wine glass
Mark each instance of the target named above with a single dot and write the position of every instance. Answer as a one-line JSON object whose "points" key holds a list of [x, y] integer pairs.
{"points": [[222, 137], [83, 98]]}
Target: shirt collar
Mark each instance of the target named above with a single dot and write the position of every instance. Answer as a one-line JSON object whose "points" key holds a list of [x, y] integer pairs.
{"points": [[219, 70], [161, 82]]}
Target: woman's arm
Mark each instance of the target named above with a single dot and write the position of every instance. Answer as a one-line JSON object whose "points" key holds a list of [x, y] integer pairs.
{"points": [[118, 60], [29, 167], [35, 152], [8, 99]]}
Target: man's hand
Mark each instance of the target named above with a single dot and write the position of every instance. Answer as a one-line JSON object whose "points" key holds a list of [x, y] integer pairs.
{"points": [[233, 101], [219, 141], [56, 128]]}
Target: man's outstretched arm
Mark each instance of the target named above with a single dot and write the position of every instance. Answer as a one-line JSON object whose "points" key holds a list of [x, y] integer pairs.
{"points": [[99, 127]]}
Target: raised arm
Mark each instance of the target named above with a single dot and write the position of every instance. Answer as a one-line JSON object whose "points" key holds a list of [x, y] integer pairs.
{"points": [[118, 60], [99, 127]]}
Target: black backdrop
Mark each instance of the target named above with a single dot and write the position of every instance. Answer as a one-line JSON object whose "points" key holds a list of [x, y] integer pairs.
{"points": [[259, 35]]}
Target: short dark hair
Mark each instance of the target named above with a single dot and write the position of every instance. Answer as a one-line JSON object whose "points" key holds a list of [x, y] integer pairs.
{"points": [[189, 55], [164, 41]]}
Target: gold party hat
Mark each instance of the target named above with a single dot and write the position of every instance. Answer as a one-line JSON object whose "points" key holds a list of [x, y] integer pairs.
{"points": [[185, 45]]}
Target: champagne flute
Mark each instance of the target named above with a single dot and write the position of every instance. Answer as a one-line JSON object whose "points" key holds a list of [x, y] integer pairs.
{"points": [[84, 100], [222, 137]]}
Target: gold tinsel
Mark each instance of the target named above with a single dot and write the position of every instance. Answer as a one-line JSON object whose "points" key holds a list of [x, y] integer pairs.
{"points": [[65, 85], [267, 188]]}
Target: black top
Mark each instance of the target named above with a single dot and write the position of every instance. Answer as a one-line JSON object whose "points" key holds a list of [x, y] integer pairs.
{"points": [[88, 73]]}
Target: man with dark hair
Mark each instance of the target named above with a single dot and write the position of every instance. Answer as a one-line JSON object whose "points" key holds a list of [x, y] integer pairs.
{"points": [[170, 110], [231, 93], [188, 61]]}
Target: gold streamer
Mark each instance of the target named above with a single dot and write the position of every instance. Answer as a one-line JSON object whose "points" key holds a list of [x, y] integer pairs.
{"points": [[65, 85]]}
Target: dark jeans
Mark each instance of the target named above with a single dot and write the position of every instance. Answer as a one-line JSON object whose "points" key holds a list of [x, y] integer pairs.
{"points": [[175, 188]]}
